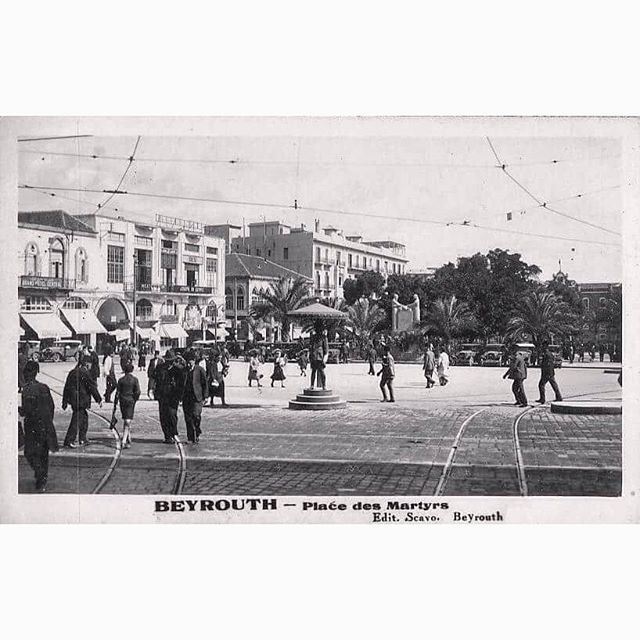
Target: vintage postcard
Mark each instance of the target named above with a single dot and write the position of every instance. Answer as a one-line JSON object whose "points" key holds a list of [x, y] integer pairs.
{"points": [[320, 320]]}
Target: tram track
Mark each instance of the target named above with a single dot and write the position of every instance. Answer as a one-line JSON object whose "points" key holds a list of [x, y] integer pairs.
{"points": [[178, 483]]}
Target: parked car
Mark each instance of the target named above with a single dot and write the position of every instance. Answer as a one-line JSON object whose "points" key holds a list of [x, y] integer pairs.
{"points": [[527, 350], [61, 350], [493, 356], [468, 355], [33, 348]]}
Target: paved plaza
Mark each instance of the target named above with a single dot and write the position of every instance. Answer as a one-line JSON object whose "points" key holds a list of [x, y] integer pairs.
{"points": [[463, 439]]}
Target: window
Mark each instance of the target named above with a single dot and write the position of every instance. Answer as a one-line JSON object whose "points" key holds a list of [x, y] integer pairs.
{"points": [[228, 298], [377, 265], [169, 308], [115, 237], [269, 252], [56, 259], [192, 271], [386, 266], [258, 253], [193, 248], [317, 254], [285, 253], [585, 303], [81, 266], [393, 267], [115, 263], [36, 303], [74, 302], [364, 262], [318, 279], [255, 296], [212, 251], [169, 244], [326, 280], [338, 256], [340, 280], [144, 310], [350, 260], [32, 260], [143, 241], [212, 265], [143, 260], [326, 255], [240, 298]]}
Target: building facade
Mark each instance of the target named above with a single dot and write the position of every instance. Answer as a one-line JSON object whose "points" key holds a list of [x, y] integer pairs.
{"points": [[247, 278], [326, 255], [161, 281]]}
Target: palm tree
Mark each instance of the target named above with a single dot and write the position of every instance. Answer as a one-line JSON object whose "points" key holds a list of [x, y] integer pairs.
{"points": [[285, 296], [449, 318], [540, 316], [364, 317]]}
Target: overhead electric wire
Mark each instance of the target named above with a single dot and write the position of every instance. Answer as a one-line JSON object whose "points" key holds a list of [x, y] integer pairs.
{"points": [[543, 203], [466, 223], [124, 175], [54, 138]]}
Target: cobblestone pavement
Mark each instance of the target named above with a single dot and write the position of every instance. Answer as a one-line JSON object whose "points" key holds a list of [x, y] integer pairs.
{"points": [[259, 447]]}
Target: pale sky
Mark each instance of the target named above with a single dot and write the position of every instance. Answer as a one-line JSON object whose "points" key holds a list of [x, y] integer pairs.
{"points": [[426, 179]]}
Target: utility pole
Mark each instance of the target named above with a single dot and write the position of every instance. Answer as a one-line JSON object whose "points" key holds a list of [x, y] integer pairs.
{"points": [[135, 335]]}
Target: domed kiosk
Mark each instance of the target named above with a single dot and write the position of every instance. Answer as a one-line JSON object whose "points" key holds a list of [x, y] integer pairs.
{"points": [[320, 398]]}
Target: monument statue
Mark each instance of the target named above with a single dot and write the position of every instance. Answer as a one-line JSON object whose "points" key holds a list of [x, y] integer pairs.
{"points": [[405, 317]]}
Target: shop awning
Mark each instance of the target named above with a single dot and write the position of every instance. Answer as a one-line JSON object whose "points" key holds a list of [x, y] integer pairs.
{"points": [[46, 325], [172, 331], [121, 334], [83, 321], [146, 333]]}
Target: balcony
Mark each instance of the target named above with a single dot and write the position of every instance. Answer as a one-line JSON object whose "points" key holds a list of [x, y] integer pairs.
{"points": [[46, 282], [147, 287]]}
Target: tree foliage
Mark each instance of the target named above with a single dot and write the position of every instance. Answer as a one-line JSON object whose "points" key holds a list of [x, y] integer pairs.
{"points": [[449, 318], [365, 284]]}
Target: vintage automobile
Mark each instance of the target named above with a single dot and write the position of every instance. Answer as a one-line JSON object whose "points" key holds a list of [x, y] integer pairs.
{"points": [[493, 356], [60, 350], [33, 351], [467, 356]]}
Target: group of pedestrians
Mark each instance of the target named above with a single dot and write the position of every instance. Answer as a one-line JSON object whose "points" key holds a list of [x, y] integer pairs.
{"points": [[435, 364]]}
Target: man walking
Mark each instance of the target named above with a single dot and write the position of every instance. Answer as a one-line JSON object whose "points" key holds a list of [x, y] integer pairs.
{"points": [[517, 372], [79, 388], [371, 357], [108, 369], [429, 365], [151, 374], [318, 355], [387, 373], [94, 367], [169, 377], [547, 374], [195, 393], [39, 432]]}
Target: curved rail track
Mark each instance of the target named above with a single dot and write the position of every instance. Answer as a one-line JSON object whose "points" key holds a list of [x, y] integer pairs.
{"points": [[178, 484], [518, 459]]}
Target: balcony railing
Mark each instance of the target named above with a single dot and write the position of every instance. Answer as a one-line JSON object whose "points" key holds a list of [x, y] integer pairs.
{"points": [[147, 287], [46, 282]]}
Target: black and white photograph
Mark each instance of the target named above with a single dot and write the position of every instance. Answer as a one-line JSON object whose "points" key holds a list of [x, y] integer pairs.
{"points": [[281, 311]]}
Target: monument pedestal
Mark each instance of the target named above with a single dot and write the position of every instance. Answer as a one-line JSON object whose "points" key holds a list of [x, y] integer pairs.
{"points": [[317, 400]]}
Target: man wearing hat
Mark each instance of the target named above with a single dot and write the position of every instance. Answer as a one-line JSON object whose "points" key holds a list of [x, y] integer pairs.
{"points": [[517, 371], [195, 393], [318, 356], [39, 432], [169, 387], [79, 388]]}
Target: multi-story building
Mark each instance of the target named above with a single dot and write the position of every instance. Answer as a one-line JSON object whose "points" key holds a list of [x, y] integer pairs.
{"points": [[247, 278], [163, 280], [326, 256], [598, 301]]}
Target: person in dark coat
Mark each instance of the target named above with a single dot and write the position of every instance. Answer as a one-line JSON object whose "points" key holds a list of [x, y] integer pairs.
{"points": [[195, 393], [547, 374], [169, 387], [371, 358], [142, 357], [128, 393], [278, 368], [22, 361], [39, 433], [79, 388], [517, 372], [303, 361], [151, 374], [318, 355], [216, 372], [94, 367], [387, 373]]}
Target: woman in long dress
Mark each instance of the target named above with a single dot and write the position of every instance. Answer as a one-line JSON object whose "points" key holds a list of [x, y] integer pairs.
{"points": [[127, 392], [254, 368], [278, 368]]}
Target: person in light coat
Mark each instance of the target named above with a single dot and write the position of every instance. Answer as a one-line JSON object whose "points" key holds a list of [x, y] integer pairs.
{"points": [[442, 367]]}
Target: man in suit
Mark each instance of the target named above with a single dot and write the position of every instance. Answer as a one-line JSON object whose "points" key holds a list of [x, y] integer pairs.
{"points": [[169, 388], [318, 355], [195, 393], [79, 388], [547, 374], [518, 373], [94, 367], [39, 432], [151, 374]]}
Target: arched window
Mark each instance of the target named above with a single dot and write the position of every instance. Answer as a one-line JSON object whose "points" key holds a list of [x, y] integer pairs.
{"points": [[144, 309], [255, 296], [82, 266], [603, 302], [56, 258], [211, 311], [228, 298], [36, 303], [585, 303], [32, 260], [240, 298], [74, 302]]}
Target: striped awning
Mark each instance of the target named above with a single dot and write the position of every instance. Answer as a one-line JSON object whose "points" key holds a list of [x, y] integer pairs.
{"points": [[83, 321], [146, 333], [46, 325], [172, 331]]}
